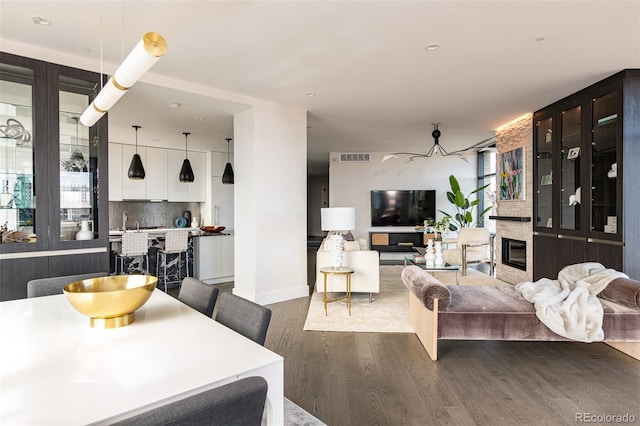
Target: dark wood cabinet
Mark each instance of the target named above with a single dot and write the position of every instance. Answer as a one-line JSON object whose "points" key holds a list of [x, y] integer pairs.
{"points": [[586, 169], [53, 174]]}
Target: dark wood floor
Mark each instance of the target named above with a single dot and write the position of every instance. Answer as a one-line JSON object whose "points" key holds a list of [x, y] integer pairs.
{"points": [[388, 379]]}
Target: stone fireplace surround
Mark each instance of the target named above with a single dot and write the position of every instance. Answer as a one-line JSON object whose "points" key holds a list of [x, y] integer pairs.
{"points": [[513, 218]]}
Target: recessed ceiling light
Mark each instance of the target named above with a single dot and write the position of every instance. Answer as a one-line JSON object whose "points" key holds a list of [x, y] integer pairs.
{"points": [[431, 47], [201, 119], [540, 38], [40, 20], [310, 94], [173, 105]]}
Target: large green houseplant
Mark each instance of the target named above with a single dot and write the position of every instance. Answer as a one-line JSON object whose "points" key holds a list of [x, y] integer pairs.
{"points": [[464, 208]]}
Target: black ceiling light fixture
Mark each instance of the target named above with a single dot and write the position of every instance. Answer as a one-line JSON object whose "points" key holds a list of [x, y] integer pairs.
{"points": [[227, 176], [186, 172], [435, 149], [136, 169]]}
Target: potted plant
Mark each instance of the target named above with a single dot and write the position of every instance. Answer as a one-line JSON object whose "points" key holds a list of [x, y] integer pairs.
{"points": [[464, 208]]}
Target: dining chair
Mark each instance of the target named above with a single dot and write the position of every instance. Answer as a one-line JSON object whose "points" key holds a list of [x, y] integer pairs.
{"points": [[135, 244], [243, 316], [175, 243], [53, 285], [199, 295], [239, 403]]}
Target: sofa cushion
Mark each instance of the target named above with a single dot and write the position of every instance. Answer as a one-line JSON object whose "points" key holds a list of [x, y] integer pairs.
{"points": [[350, 245], [624, 291], [426, 287]]}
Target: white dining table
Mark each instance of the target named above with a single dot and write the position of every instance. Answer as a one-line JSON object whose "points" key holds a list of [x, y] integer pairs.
{"points": [[57, 370]]}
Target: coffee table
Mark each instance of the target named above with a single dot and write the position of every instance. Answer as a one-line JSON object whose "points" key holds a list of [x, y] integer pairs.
{"points": [[444, 267]]}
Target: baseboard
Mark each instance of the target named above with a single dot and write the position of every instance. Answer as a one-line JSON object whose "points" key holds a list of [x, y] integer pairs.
{"points": [[266, 298]]}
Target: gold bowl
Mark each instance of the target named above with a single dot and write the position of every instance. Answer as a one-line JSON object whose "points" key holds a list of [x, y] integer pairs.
{"points": [[110, 301]]}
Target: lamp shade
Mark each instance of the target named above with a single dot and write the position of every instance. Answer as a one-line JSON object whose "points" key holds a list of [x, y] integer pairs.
{"points": [[186, 172], [136, 169], [338, 218], [227, 176]]}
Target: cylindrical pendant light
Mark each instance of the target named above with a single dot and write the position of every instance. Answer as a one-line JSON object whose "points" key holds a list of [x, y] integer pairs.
{"points": [[136, 169], [186, 172], [227, 176]]}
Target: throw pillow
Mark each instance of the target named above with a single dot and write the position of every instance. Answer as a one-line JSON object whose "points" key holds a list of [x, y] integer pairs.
{"points": [[350, 245], [348, 236]]}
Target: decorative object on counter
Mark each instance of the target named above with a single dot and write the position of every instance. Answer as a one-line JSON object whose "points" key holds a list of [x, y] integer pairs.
{"points": [[110, 302], [22, 192], [143, 56], [186, 172], [212, 229], [194, 222], [334, 220], [136, 169], [6, 197], [187, 215], [15, 130], [84, 233], [180, 222], [227, 176]]}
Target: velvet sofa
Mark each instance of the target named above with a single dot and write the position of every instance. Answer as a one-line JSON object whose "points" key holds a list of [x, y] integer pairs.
{"points": [[366, 265], [439, 312]]}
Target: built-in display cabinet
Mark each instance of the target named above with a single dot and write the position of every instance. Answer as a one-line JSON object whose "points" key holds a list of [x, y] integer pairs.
{"points": [[53, 171], [586, 173]]}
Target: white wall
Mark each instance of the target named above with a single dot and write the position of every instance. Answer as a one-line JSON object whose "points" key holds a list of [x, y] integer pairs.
{"points": [[350, 183], [270, 203]]}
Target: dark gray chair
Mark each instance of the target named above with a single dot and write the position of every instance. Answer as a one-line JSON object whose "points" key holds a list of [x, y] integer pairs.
{"points": [[240, 403], [241, 315], [200, 296], [53, 285]]}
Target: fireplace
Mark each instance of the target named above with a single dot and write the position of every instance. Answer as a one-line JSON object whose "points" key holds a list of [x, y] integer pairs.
{"points": [[514, 253]]}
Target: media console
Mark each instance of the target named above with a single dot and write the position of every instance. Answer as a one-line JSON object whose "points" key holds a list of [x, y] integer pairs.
{"points": [[384, 241]]}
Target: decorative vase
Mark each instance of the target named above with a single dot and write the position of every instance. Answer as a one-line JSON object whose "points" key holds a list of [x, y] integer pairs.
{"points": [[429, 257], [84, 233], [438, 256], [6, 197]]}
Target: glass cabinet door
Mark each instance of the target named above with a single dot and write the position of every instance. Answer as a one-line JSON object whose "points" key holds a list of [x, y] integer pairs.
{"points": [[570, 187], [78, 162], [544, 166], [17, 153], [604, 167]]}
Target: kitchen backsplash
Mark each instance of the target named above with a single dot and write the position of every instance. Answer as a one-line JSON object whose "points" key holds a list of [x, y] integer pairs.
{"points": [[150, 214]]}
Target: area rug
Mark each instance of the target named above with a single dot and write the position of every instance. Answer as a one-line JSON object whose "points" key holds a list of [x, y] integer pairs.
{"points": [[389, 312], [294, 415]]}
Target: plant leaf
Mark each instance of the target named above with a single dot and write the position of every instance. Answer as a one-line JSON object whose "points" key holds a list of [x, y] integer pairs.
{"points": [[455, 186], [460, 200], [479, 189]]}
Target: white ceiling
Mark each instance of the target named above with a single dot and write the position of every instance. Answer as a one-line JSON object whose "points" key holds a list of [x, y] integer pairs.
{"points": [[377, 87]]}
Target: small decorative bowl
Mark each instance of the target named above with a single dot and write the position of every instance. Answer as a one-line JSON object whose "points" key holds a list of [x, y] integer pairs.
{"points": [[110, 302], [214, 229]]}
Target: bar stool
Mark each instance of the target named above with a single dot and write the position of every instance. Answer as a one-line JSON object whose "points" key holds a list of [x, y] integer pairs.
{"points": [[175, 242], [135, 244]]}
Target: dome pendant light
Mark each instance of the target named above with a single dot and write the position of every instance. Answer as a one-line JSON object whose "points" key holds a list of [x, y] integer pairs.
{"points": [[186, 172], [227, 176], [136, 169]]}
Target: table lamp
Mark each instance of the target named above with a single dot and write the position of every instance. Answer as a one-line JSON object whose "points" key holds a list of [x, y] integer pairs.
{"points": [[334, 220]]}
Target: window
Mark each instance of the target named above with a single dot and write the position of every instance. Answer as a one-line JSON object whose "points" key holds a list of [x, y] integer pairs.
{"points": [[487, 197]]}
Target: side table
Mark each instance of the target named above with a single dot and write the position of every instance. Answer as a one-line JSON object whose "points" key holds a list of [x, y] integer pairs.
{"points": [[337, 270]]}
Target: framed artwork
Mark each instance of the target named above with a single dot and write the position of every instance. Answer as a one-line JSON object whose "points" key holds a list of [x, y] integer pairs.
{"points": [[512, 175]]}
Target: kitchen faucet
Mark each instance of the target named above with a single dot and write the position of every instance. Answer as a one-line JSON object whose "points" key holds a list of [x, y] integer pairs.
{"points": [[124, 220]]}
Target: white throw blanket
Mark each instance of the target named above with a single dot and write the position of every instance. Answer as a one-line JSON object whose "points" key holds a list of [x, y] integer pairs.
{"points": [[568, 305]]}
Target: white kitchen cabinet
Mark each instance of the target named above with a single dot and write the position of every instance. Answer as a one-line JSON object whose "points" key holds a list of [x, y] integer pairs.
{"points": [[156, 170], [115, 172], [133, 189], [181, 191], [214, 258], [222, 203]]}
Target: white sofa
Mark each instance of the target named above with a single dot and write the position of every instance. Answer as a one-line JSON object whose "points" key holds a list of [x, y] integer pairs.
{"points": [[366, 265]]}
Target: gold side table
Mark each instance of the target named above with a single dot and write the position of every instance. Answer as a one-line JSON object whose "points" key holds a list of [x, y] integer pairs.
{"points": [[335, 270]]}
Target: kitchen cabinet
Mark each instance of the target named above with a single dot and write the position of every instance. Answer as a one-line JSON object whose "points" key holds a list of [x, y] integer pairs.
{"points": [[214, 258], [585, 178], [221, 194], [154, 185], [182, 191], [48, 156], [116, 172]]}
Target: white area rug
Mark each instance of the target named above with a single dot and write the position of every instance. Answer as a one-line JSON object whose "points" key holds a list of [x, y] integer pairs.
{"points": [[389, 312]]}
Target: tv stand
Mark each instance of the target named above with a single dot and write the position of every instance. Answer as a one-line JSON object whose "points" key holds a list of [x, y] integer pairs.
{"points": [[385, 241]]}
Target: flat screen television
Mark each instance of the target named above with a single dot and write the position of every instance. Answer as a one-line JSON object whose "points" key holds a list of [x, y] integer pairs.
{"points": [[403, 207]]}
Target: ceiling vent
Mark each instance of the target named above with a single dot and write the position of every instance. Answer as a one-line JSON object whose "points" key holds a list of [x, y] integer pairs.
{"points": [[354, 157]]}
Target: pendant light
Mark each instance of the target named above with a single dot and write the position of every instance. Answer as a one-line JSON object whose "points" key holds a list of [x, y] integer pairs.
{"points": [[186, 172], [77, 156], [136, 169], [227, 176]]}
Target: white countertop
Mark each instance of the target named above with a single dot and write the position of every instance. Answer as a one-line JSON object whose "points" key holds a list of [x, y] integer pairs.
{"points": [[162, 231], [55, 369]]}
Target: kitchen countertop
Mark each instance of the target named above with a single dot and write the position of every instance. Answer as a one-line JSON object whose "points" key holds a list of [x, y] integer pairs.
{"points": [[116, 234]]}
